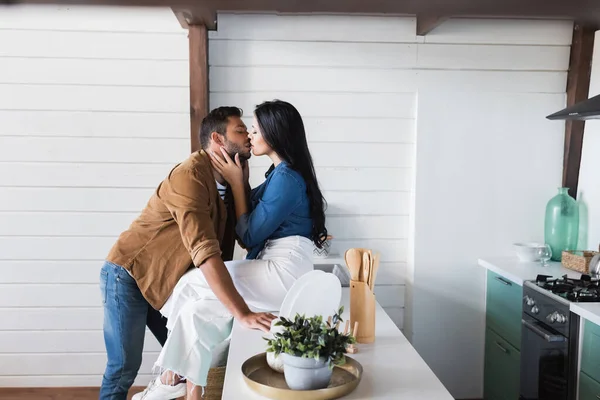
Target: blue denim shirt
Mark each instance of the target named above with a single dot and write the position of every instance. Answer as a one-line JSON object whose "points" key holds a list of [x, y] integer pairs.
{"points": [[279, 207]]}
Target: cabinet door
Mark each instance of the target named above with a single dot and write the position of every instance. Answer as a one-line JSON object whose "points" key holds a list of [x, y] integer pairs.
{"points": [[504, 301], [590, 351], [589, 389], [502, 366]]}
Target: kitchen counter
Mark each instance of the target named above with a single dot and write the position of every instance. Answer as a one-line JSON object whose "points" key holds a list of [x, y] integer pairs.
{"points": [[392, 367], [589, 311], [518, 271]]}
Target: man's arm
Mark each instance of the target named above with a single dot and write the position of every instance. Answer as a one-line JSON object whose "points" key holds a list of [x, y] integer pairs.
{"points": [[186, 198], [220, 281]]}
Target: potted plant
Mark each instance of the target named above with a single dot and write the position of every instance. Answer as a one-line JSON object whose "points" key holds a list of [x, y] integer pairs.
{"points": [[309, 348]]}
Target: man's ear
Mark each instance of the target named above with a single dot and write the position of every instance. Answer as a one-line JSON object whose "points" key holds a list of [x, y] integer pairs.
{"points": [[217, 138]]}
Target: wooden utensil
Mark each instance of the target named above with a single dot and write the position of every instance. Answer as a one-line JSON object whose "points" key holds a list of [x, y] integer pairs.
{"points": [[353, 261], [374, 268], [366, 267]]}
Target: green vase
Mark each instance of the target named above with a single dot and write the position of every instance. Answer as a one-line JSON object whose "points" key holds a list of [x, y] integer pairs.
{"points": [[561, 226]]}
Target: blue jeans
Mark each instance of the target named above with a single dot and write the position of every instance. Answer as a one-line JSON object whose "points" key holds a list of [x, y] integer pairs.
{"points": [[126, 314]]}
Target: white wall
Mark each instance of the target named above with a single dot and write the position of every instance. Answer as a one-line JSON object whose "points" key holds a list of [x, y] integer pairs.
{"points": [[487, 162], [356, 92], [367, 87], [94, 110], [475, 92], [589, 173]]}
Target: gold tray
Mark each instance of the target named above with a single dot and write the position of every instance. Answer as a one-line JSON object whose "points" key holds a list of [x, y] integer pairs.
{"points": [[269, 383]]}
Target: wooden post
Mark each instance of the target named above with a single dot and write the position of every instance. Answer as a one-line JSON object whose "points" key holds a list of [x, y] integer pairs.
{"points": [[578, 85], [198, 39]]}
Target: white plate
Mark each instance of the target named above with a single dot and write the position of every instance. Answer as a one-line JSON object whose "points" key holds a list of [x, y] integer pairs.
{"points": [[290, 297], [315, 293]]}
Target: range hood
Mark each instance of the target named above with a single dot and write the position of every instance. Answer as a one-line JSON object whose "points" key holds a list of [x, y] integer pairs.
{"points": [[587, 109]]}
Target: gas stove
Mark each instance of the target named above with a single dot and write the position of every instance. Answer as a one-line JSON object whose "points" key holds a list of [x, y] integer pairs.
{"points": [[584, 289], [550, 335]]}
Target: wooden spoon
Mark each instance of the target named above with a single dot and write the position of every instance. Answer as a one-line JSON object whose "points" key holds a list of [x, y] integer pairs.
{"points": [[353, 261], [374, 269], [366, 267]]}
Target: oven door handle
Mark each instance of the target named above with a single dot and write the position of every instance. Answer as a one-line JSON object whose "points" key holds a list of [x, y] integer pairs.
{"points": [[544, 334]]}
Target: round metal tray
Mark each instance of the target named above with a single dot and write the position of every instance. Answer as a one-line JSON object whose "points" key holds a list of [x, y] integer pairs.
{"points": [[269, 383]]}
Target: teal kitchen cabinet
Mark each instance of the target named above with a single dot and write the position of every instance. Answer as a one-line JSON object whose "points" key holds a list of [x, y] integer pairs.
{"points": [[502, 361], [504, 301], [589, 375], [589, 389], [504, 305]]}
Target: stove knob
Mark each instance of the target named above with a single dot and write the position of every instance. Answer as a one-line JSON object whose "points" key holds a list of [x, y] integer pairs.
{"points": [[535, 310], [552, 318], [561, 319], [528, 301]]}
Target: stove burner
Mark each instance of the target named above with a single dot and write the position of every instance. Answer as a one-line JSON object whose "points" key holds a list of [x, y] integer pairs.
{"points": [[578, 290]]}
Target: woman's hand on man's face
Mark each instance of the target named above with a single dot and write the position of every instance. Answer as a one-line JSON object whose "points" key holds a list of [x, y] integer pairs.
{"points": [[232, 170]]}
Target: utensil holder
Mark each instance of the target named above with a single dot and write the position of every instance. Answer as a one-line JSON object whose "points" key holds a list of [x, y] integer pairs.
{"points": [[362, 310]]}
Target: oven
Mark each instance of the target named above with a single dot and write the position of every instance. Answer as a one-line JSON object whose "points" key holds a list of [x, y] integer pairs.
{"points": [[549, 335]]}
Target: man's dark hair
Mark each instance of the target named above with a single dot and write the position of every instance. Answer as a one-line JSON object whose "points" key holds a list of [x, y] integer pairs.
{"points": [[216, 121]]}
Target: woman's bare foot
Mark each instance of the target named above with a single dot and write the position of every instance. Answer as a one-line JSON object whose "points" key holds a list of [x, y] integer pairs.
{"points": [[193, 392], [170, 378]]}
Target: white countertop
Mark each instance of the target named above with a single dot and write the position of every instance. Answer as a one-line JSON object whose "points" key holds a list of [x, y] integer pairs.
{"points": [[589, 311], [518, 271], [392, 368]]}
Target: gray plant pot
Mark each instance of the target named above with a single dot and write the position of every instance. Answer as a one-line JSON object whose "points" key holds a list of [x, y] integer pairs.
{"points": [[305, 373]]}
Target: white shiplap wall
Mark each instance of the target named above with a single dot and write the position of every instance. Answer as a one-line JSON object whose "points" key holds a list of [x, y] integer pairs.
{"points": [[589, 181], [76, 89], [94, 110], [465, 105], [357, 98], [487, 162]]}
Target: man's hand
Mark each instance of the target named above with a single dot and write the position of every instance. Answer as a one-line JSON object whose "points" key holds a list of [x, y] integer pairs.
{"points": [[261, 321]]}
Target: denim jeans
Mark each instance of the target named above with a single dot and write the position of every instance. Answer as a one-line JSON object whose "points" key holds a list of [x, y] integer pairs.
{"points": [[126, 314]]}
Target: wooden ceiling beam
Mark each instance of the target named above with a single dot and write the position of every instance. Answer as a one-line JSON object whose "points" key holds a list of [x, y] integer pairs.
{"points": [[578, 85], [204, 15], [427, 23], [580, 10]]}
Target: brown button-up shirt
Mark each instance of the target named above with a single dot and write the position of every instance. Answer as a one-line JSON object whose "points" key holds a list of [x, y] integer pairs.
{"points": [[183, 224]]}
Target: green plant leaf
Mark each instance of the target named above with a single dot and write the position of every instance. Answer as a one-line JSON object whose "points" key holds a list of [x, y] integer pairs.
{"points": [[311, 337]]}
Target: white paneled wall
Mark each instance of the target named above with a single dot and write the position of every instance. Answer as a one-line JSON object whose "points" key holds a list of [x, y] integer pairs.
{"points": [[94, 109], [357, 99], [487, 162], [469, 99], [589, 180]]}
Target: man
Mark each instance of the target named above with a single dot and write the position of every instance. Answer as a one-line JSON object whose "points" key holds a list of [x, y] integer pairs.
{"points": [[184, 224]]}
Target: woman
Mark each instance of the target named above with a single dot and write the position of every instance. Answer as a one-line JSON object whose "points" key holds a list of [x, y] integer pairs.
{"points": [[278, 223]]}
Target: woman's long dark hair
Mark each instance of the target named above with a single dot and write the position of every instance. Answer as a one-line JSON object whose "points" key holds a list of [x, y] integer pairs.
{"points": [[283, 130]]}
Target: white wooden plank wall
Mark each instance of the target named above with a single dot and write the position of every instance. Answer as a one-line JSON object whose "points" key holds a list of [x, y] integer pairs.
{"points": [[473, 144], [94, 109], [357, 99], [355, 81]]}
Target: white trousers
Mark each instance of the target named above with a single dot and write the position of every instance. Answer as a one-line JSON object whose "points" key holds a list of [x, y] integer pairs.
{"points": [[200, 326]]}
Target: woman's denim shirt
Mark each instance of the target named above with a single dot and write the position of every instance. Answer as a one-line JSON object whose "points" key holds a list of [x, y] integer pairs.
{"points": [[279, 207]]}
